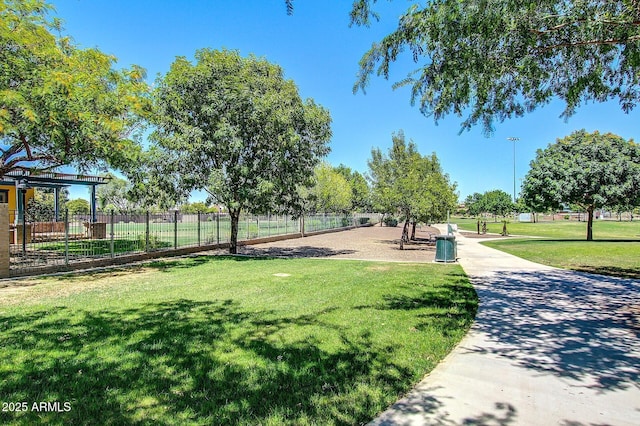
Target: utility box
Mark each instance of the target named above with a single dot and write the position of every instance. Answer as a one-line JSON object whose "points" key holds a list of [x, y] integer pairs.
{"points": [[446, 248]]}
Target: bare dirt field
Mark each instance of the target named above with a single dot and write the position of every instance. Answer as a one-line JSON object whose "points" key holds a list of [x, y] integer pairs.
{"points": [[367, 243]]}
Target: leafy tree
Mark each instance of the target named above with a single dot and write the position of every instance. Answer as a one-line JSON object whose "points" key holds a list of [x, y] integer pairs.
{"points": [[360, 191], [61, 105], [236, 128], [395, 179], [41, 208], [497, 202], [78, 206], [407, 183], [474, 204], [197, 207], [438, 196], [331, 192], [589, 169], [619, 209], [115, 196], [494, 60]]}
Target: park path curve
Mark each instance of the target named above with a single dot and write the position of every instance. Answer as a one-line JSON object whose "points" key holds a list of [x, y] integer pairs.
{"points": [[548, 347]]}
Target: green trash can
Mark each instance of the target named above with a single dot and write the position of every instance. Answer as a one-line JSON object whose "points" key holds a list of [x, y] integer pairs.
{"points": [[446, 250]]}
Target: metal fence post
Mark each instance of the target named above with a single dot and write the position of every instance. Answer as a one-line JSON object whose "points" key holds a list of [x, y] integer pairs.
{"points": [[24, 227], [269, 227], [146, 236], [198, 228], [218, 227], [175, 229], [112, 235], [247, 221], [66, 237], [285, 225]]}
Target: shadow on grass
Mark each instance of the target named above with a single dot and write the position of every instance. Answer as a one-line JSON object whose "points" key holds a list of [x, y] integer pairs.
{"points": [[613, 271], [190, 362], [452, 305]]}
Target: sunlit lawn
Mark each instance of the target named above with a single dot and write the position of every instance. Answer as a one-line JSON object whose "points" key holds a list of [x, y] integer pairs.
{"points": [[619, 258], [561, 243], [560, 229], [220, 340]]}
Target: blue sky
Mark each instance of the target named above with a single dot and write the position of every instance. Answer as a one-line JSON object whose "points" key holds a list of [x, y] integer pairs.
{"points": [[320, 52]]}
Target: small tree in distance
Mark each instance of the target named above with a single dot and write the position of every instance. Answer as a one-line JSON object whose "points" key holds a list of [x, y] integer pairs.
{"points": [[591, 170], [497, 202], [78, 206]]}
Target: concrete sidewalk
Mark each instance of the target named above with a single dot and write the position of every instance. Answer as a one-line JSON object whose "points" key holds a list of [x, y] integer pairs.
{"points": [[549, 347]]}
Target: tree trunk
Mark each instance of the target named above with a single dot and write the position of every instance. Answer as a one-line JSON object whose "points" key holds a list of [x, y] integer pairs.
{"points": [[405, 234], [233, 242], [413, 231], [590, 223]]}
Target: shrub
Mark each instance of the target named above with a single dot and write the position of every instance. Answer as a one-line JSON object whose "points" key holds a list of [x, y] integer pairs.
{"points": [[391, 221]]}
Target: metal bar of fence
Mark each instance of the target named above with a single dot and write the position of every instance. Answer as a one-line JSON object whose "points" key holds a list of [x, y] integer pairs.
{"points": [[218, 227], [112, 245], [66, 237], [175, 229], [199, 244], [24, 234], [146, 237]]}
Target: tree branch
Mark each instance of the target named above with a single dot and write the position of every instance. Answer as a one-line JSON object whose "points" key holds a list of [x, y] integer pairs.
{"points": [[589, 43], [582, 21]]}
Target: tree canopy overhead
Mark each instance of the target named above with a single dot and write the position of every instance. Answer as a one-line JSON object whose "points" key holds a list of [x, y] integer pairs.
{"points": [[236, 128], [492, 60], [592, 170], [61, 105]]}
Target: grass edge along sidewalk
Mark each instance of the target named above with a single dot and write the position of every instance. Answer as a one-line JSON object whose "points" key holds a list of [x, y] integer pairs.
{"points": [[233, 340], [614, 258], [615, 250]]}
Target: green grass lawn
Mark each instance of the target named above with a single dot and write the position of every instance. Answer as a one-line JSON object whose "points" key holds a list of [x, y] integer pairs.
{"points": [[222, 340], [560, 229], [614, 251], [619, 258]]}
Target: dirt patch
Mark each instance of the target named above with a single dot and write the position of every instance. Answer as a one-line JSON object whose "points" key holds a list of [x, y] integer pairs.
{"points": [[378, 268], [367, 243]]}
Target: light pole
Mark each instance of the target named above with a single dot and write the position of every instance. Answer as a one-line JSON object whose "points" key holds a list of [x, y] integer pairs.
{"points": [[514, 140]]}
